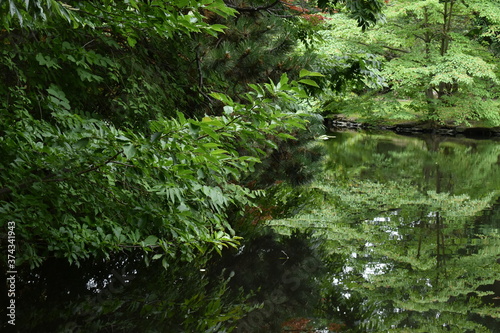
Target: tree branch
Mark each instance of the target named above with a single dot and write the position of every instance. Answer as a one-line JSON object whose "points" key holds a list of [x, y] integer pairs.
{"points": [[395, 49], [7, 190], [221, 128], [125, 164], [387, 47]]}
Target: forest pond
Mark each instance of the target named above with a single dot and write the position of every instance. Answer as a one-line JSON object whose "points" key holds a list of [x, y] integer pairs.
{"points": [[394, 234], [411, 232]]}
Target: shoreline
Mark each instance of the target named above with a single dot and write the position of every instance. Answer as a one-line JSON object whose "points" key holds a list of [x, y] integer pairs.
{"points": [[415, 128]]}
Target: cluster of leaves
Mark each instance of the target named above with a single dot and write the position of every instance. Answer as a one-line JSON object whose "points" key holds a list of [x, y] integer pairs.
{"points": [[112, 60], [366, 13], [134, 16], [108, 188], [261, 40], [258, 44], [436, 63], [97, 156]]}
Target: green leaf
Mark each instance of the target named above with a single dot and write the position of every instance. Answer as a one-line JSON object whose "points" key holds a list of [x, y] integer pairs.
{"points": [[305, 72], [55, 91], [286, 136], [47, 61], [218, 27], [150, 240], [219, 7], [129, 151], [211, 145], [82, 143], [223, 98], [309, 82], [131, 41], [122, 138], [218, 152], [211, 133]]}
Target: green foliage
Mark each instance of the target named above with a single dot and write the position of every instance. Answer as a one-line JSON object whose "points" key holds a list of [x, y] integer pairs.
{"points": [[257, 46], [97, 157], [81, 187], [366, 13], [125, 127], [434, 63], [164, 18], [107, 69]]}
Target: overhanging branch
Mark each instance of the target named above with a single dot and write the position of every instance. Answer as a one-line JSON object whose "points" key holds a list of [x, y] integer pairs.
{"points": [[7, 190]]}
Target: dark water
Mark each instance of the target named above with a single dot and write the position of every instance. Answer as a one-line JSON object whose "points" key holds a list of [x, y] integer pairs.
{"points": [[393, 234]]}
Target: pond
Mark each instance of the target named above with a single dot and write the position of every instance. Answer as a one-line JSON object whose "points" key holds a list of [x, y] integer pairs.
{"points": [[413, 227], [391, 234]]}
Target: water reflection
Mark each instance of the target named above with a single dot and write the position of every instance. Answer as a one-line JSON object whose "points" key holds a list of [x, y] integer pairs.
{"points": [[124, 295], [397, 234], [415, 222]]}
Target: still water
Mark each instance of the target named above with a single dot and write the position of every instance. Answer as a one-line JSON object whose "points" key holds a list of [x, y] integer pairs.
{"points": [[390, 234], [412, 226]]}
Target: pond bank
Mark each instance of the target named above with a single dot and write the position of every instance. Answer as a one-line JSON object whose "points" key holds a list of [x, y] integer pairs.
{"points": [[409, 128]]}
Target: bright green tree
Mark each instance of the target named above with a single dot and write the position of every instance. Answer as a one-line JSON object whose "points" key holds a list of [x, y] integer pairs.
{"points": [[438, 62]]}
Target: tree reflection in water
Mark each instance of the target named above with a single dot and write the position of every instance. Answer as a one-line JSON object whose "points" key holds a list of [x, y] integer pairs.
{"points": [[410, 217]]}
